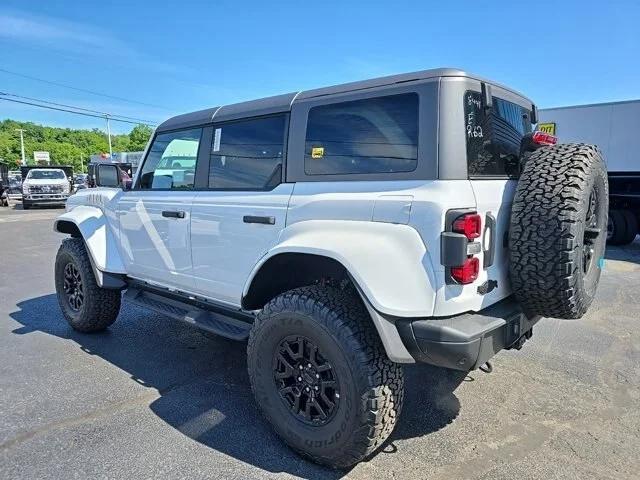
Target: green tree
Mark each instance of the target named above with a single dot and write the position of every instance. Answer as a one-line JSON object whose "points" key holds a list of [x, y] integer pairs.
{"points": [[138, 137], [65, 145]]}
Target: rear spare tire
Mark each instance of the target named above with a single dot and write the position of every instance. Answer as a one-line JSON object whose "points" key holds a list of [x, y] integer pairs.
{"points": [[558, 230]]}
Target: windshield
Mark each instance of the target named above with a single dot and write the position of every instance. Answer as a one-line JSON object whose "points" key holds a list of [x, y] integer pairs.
{"points": [[46, 175]]}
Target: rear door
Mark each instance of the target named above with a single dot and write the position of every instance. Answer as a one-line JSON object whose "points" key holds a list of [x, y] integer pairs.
{"points": [[493, 139], [155, 215], [240, 214]]}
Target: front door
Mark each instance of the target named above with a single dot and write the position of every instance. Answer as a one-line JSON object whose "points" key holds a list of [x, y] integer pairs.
{"points": [[240, 216], [155, 215]]}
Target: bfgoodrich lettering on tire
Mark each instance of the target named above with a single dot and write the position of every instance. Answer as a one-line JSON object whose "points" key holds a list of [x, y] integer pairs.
{"points": [[321, 376], [86, 306], [558, 230]]}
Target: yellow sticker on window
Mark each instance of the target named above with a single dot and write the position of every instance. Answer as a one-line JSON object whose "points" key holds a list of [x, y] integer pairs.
{"points": [[317, 152], [549, 128]]}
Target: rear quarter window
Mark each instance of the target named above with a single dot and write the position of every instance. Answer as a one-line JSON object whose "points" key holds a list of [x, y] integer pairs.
{"points": [[493, 138], [373, 135]]}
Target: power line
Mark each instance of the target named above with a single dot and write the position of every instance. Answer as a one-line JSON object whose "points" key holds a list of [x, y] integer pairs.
{"points": [[81, 89], [103, 116], [74, 107]]}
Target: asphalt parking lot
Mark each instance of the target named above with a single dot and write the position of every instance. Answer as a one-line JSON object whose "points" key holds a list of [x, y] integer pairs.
{"points": [[151, 398]]}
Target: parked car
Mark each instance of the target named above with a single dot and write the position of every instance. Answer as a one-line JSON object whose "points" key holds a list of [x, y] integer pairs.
{"points": [[346, 231], [80, 181], [4, 185], [45, 185]]}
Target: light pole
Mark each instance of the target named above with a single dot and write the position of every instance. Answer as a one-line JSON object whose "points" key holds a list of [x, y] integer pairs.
{"points": [[109, 135], [24, 161]]}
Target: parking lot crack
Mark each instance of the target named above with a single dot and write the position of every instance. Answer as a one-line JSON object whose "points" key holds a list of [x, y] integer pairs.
{"points": [[146, 398]]}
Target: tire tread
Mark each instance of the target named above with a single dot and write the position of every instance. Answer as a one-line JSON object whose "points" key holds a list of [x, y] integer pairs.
{"points": [[101, 305], [547, 224], [381, 382]]}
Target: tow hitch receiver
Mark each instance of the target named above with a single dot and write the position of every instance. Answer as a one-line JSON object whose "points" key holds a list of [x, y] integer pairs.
{"points": [[519, 331]]}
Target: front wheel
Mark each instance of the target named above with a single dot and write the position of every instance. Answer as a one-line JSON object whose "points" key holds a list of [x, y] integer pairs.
{"points": [[86, 306], [321, 377]]}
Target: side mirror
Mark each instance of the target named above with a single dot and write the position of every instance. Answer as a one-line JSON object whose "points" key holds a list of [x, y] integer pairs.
{"points": [[107, 176]]}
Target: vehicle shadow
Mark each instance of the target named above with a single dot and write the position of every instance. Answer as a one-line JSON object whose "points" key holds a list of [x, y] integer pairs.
{"points": [[204, 387], [626, 253]]}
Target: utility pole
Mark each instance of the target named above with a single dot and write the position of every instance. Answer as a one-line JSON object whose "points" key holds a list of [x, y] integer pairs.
{"points": [[24, 161], [109, 135]]}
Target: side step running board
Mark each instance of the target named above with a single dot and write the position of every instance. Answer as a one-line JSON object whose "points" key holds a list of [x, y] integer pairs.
{"points": [[214, 322]]}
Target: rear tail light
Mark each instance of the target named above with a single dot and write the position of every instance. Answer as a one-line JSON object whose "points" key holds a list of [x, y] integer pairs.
{"points": [[469, 224], [468, 272], [458, 246], [541, 138]]}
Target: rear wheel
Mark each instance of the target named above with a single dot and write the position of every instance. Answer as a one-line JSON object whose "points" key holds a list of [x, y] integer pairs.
{"points": [[558, 230], [321, 377], [86, 306]]}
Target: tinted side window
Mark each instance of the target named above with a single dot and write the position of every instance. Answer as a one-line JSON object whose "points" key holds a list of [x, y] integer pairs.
{"points": [[493, 140], [375, 135], [247, 154], [171, 162]]}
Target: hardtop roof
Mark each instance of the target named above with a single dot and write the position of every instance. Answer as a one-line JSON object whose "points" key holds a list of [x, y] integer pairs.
{"points": [[283, 103]]}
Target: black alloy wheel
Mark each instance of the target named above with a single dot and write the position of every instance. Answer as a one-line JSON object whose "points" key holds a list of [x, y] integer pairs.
{"points": [[592, 232], [73, 287], [305, 380]]}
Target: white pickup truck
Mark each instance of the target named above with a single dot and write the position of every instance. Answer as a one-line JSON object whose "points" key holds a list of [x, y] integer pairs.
{"points": [[343, 232], [43, 186]]}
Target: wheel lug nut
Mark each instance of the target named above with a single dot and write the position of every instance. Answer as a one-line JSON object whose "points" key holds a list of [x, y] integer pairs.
{"points": [[299, 379], [307, 389], [300, 367], [315, 388]]}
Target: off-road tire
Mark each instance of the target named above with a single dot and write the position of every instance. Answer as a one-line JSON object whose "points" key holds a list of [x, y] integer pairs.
{"points": [[548, 239], [371, 387], [100, 306]]}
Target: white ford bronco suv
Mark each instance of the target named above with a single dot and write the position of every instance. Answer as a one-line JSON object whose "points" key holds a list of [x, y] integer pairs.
{"points": [[343, 232]]}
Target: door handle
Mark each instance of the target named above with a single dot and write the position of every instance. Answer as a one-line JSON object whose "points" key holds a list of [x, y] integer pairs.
{"points": [[173, 214], [259, 219]]}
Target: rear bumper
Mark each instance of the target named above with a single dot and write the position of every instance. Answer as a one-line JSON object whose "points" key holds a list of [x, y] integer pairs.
{"points": [[465, 342]]}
